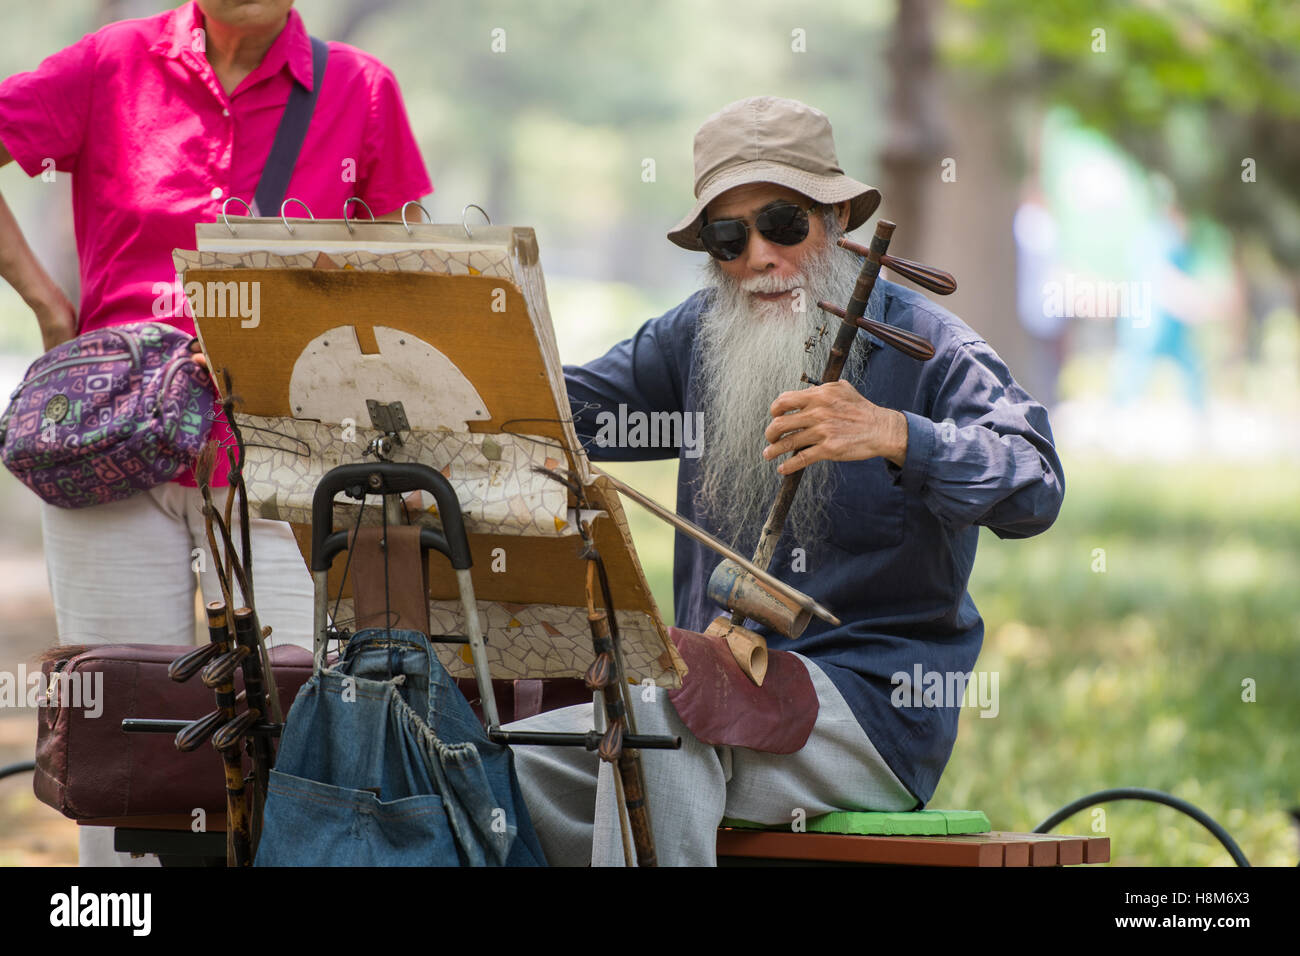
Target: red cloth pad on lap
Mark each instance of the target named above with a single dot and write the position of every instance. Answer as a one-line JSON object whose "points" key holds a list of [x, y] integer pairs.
{"points": [[722, 706]]}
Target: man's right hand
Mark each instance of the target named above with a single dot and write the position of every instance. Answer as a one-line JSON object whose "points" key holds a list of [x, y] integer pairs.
{"points": [[58, 320]]}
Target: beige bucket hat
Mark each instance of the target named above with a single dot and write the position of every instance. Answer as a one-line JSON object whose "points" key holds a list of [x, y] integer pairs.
{"points": [[767, 139]]}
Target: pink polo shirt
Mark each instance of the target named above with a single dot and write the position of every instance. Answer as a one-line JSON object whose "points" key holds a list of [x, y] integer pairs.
{"points": [[154, 145]]}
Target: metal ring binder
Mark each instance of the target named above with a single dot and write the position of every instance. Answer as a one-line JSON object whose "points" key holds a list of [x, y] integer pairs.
{"points": [[228, 201], [348, 222], [464, 225], [284, 220], [414, 202]]}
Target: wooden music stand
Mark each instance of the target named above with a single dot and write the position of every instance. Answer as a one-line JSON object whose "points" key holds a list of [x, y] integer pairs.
{"points": [[439, 344]]}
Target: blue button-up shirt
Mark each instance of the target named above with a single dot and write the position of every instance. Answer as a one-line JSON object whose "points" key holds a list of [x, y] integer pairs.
{"points": [[900, 542]]}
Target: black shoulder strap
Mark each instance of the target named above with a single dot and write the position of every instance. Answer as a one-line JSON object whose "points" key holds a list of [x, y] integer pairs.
{"points": [[289, 136]]}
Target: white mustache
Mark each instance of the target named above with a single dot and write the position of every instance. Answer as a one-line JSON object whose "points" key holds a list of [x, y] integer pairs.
{"points": [[771, 283]]}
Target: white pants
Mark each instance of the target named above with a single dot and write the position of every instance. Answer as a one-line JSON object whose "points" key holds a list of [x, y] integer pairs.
{"points": [[124, 573], [571, 798]]}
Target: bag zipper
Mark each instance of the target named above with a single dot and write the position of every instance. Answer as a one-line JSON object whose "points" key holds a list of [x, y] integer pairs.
{"points": [[79, 360], [132, 352], [55, 671], [51, 700]]}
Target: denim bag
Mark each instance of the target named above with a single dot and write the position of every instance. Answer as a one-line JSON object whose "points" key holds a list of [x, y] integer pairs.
{"points": [[383, 763]]}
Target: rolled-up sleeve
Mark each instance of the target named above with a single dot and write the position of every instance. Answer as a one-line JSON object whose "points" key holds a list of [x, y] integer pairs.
{"points": [[985, 456], [44, 113], [392, 170]]}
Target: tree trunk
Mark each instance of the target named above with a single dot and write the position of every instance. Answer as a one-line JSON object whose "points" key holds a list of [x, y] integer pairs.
{"points": [[915, 138]]}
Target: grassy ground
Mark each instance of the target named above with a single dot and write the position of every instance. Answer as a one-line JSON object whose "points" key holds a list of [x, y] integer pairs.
{"points": [[1131, 676]]}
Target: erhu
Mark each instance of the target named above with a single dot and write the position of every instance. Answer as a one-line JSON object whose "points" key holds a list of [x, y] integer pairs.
{"points": [[237, 642], [733, 584]]}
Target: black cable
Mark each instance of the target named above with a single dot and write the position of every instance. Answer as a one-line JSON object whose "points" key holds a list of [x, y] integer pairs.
{"points": [[25, 767], [1153, 796]]}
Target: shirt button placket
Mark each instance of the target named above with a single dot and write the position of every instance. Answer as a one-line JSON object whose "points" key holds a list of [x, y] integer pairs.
{"points": [[221, 169]]}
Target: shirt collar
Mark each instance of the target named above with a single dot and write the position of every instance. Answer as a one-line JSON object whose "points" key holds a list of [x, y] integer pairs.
{"points": [[291, 48]]}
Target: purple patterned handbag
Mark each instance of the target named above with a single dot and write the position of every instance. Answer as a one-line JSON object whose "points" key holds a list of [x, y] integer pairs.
{"points": [[107, 415]]}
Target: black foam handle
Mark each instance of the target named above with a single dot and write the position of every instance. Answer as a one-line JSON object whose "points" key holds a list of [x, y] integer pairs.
{"points": [[430, 540], [388, 478]]}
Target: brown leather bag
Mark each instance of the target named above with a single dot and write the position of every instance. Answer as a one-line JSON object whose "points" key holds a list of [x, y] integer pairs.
{"points": [[86, 767]]}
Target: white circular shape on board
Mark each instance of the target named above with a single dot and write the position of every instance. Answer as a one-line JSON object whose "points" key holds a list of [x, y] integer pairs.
{"points": [[332, 380]]}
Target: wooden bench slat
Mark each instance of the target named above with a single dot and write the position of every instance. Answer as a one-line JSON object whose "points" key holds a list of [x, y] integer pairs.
{"points": [[1096, 850], [1067, 850], [1014, 853], [1081, 849], [835, 848]]}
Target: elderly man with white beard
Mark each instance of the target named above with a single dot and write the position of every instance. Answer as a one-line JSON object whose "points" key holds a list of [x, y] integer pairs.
{"points": [[903, 462]]}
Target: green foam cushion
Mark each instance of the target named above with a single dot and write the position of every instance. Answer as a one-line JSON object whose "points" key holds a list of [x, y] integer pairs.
{"points": [[881, 823]]}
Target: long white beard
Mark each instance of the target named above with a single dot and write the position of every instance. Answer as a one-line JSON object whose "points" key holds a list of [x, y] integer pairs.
{"points": [[749, 352]]}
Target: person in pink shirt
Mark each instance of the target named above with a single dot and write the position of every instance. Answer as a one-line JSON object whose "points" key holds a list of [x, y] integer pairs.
{"points": [[158, 121]]}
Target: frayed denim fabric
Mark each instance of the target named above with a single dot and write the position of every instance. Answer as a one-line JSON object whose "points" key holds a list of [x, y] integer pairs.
{"points": [[383, 763]]}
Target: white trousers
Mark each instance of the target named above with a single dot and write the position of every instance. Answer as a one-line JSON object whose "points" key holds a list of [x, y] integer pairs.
{"points": [[571, 798], [124, 572]]}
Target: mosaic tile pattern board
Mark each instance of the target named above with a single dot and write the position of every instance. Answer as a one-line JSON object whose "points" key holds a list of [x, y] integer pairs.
{"points": [[499, 493], [537, 640], [458, 330]]}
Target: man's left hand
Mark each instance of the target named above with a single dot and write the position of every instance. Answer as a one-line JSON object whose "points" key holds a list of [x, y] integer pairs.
{"points": [[832, 422]]}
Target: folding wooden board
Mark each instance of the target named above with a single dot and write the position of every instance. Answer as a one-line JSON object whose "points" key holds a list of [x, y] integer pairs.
{"points": [[458, 330]]}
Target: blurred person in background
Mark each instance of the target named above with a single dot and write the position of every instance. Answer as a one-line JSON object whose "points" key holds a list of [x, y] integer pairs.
{"points": [[1035, 232], [1166, 258]]}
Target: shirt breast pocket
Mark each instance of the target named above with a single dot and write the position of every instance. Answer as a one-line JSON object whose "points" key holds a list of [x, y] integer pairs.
{"points": [[867, 509]]}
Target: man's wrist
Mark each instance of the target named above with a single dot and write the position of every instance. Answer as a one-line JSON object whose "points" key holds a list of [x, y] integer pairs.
{"points": [[896, 450]]}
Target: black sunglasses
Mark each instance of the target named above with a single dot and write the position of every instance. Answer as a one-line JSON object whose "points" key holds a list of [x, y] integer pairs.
{"points": [[785, 223]]}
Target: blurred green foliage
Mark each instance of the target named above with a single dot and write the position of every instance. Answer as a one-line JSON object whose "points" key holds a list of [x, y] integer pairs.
{"points": [[1134, 676], [1192, 88]]}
